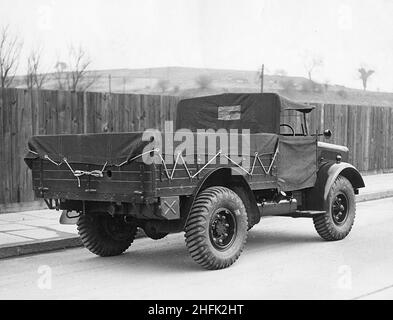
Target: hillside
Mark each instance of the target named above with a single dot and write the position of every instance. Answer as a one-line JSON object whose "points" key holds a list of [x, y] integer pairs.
{"points": [[181, 81]]}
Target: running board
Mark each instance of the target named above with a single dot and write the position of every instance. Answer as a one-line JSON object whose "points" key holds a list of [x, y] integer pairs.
{"points": [[286, 208], [304, 214]]}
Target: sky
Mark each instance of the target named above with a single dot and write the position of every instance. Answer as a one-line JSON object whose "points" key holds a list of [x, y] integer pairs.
{"points": [[223, 34]]}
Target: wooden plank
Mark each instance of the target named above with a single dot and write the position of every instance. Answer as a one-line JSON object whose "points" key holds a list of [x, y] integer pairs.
{"points": [[60, 112], [361, 140], [13, 165], [41, 113], [351, 129], [2, 148], [390, 143], [367, 142], [7, 146], [98, 111], [26, 131], [22, 128]]}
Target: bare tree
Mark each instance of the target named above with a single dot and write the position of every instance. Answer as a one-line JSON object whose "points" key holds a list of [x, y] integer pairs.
{"points": [[75, 76], [35, 79], [10, 48], [311, 62], [364, 75]]}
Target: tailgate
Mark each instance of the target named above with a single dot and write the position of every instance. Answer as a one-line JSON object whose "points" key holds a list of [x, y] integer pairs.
{"points": [[102, 167], [127, 183]]}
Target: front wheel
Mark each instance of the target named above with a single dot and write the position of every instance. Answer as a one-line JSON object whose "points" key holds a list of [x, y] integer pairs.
{"points": [[216, 230], [105, 235], [340, 208]]}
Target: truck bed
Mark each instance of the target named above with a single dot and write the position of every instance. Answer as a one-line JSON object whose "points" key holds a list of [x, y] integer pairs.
{"points": [[109, 167], [133, 182]]}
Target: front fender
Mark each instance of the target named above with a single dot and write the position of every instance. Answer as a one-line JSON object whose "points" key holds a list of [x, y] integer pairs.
{"points": [[346, 170], [327, 174]]}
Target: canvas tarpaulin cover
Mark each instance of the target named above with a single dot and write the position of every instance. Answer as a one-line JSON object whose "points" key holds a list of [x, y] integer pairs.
{"points": [[297, 163], [254, 111], [296, 159], [112, 148], [115, 148]]}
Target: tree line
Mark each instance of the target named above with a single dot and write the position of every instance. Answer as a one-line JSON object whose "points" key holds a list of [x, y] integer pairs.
{"points": [[72, 74]]}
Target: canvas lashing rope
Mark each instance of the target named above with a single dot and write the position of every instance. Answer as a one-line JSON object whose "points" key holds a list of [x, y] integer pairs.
{"points": [[169, 174]]}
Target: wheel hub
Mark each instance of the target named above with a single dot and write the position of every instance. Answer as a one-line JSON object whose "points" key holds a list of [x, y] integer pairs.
{"points": [[222, 229], [116, 228], [340, 209]]}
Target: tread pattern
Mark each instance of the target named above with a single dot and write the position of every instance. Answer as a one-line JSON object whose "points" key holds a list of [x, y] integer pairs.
{"points": [[324, 224], [253, 219], [196, 230], [99, 242]]}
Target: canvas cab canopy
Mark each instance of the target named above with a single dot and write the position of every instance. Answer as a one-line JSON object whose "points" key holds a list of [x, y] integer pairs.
{"points": [[259, 112]]}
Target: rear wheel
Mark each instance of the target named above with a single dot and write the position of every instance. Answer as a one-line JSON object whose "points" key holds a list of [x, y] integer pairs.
{"points": [[340, 208], [216, 230], [105, 235]]}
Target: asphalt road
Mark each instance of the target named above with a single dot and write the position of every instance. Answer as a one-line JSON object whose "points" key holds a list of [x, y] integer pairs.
{"points": [[284, 259]]}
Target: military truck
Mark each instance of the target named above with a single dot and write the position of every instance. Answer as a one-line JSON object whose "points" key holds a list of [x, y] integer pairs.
{"points": [[104, 184]]}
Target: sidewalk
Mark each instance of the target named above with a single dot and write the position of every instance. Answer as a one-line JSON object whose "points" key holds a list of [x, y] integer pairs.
{"points": [[39, 231], [34, 231], [378, 186]]}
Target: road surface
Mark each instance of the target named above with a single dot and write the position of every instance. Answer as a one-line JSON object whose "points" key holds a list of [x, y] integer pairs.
{"points": [[284, 259]]}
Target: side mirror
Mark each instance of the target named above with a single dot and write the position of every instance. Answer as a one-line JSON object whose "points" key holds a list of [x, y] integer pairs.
{"points": [[327, 133]]}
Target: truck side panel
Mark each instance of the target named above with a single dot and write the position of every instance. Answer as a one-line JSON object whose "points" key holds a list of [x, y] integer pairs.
{"points": [[126, 183]]}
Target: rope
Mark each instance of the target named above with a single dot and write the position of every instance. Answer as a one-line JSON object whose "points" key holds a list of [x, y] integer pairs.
{"points": [[169, 173], [33, 152], [54, 162], [79, 173], [73, 172], [94, 173]]}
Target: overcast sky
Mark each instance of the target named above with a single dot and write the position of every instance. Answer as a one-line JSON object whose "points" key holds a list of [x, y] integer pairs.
{"points": [[231, 34]]}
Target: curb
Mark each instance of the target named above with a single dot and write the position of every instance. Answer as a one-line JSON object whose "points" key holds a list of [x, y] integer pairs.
{"points": [[39, 246], [374, 196], [74, 241]]}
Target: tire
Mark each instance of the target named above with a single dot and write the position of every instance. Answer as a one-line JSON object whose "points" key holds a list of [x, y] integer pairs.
{"points": [[340, 208], [216, 229], [105, 235]]}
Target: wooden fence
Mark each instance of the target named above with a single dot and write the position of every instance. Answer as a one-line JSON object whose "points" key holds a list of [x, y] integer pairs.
{"points": [[367, 131]]}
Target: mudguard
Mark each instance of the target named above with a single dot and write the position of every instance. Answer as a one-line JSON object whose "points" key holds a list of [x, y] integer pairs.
{"points": [[327, 174]]}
